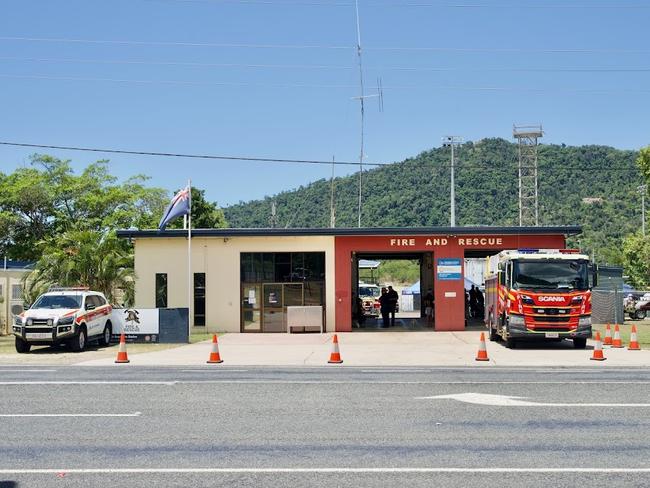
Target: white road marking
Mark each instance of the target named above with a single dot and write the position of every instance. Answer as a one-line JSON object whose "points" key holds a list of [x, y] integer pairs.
{"points": [[370, 382], [211, 370], [10, 383], [135, 414], [512, 401], [395, 370], [27, 370], [571, 470]]}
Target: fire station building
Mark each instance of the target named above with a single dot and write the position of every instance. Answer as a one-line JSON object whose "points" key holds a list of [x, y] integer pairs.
{"points": [[243, 280]]}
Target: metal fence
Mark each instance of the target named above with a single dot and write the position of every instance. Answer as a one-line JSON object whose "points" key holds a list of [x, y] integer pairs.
{"points": [[607, 306]]}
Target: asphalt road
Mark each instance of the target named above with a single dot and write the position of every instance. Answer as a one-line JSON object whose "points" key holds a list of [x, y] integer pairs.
{"points": [[227, 426]]}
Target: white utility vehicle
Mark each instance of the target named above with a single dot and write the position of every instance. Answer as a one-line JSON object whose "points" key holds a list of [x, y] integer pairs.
{"points": [[73, 316]]}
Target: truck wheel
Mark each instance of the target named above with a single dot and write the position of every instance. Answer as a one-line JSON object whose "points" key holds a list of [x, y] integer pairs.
{"points": [[78, 342], [22, 347], [105, 341], [511, 343], [640, 314], [579, 342]]}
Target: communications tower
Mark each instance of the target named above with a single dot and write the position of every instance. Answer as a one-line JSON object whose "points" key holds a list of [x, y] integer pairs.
{"points": [[527, 136]]}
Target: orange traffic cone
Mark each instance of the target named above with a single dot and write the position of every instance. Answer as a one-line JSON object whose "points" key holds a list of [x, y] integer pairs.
{"points": [[122, 357], [634, 342], [617, 343], [608, 336], [335, 356], [214, 353], [481, 355], [598, 350]]}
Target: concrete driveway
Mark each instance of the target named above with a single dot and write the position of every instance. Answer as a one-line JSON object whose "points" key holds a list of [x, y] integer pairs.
{"points": [[380, 349]]}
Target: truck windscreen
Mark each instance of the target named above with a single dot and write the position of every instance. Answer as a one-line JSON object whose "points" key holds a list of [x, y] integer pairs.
{"points": [[551, 275]]}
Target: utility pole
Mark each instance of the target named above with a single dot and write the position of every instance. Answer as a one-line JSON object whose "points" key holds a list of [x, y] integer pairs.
{"points": [[643, 189], [273, 220], [451, 141]]}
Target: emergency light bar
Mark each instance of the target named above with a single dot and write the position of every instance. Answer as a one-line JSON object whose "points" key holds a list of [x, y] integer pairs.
{"points": [[68, 288]]}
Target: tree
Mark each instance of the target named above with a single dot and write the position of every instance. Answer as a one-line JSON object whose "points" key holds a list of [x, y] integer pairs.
{"points": [[48, 199], [89, 258], [636, 260]]}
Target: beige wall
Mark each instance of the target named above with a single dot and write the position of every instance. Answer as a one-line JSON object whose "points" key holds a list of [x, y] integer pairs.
{"points": [[218, 258], [8, 278]]}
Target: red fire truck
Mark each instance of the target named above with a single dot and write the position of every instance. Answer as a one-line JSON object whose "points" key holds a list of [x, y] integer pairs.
{"points": [[539, 293]]}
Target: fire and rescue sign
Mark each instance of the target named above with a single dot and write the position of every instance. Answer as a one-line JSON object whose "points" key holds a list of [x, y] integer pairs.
{"points": [[449, 269]]}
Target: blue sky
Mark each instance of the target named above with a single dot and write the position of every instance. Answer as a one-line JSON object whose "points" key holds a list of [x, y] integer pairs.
{"points": [[447, 67]]}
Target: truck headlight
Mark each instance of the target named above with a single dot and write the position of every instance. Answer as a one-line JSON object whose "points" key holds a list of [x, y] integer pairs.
{"points": [[18, 321], [516, 320], [29, 322], [584, 322], [65, 320]]}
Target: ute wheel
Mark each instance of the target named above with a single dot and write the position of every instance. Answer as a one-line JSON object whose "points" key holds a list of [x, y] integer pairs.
{"points": [[511, 343], [22, 347], [579, 342], [105, 340], [640, 314], [78, 342]]}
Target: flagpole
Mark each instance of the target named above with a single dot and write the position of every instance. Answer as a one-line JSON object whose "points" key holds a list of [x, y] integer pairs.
{"points": [[189, 264]]}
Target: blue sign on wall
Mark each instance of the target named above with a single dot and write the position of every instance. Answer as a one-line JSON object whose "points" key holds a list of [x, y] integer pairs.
{"points": [[449, 269]]}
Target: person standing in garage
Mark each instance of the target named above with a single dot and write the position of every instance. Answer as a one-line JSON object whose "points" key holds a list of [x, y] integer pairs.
{"points": [[393, 298], [384, 307]]}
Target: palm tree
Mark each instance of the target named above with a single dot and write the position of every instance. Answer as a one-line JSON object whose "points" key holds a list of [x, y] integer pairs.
{"points": [[86, 258]]}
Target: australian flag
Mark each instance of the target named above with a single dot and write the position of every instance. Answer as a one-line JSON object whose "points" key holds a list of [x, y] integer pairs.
{"points": [[180, 205]]}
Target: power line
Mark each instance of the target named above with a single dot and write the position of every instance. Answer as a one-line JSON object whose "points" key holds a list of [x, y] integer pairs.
{"points": [[332, 46], [514, 6], [329, 66], [175, 43], [487, 166], [496, 89]]}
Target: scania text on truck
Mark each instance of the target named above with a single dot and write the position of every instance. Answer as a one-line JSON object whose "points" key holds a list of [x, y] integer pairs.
{"points": [[539, 293]]}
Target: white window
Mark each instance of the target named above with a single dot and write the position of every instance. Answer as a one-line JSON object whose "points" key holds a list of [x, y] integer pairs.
{"points": [[16, 292]]}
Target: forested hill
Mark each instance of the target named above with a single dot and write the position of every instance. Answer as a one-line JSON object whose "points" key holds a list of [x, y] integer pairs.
{"points": [[593, 186]]}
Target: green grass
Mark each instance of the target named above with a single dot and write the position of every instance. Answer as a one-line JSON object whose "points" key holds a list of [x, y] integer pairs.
{"points": [[7, 347], [642, 332]]}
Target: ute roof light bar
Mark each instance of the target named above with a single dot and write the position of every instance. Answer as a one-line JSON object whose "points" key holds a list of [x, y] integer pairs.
{"points": [[68, 288]]}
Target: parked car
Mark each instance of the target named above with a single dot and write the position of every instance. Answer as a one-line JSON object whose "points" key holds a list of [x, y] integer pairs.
{"points": [[72, 316], [369, 295]]}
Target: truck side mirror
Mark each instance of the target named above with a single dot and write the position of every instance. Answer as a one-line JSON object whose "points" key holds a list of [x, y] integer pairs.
{"points": [[17, 309]]}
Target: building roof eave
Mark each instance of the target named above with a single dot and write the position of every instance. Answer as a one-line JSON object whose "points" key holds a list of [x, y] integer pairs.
{"points": [[353, 231]]}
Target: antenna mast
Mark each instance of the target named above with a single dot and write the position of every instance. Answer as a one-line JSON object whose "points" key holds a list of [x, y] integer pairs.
{"points": [[361, 105], [332, 211]]}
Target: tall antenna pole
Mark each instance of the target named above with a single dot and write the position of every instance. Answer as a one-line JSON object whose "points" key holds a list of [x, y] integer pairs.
{"points": [[332, 212], [452, 141], [361, 102]]}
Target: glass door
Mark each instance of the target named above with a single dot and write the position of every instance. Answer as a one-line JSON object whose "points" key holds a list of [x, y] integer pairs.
{"points": [[277, 297], [273, 312], [251, 308]]}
